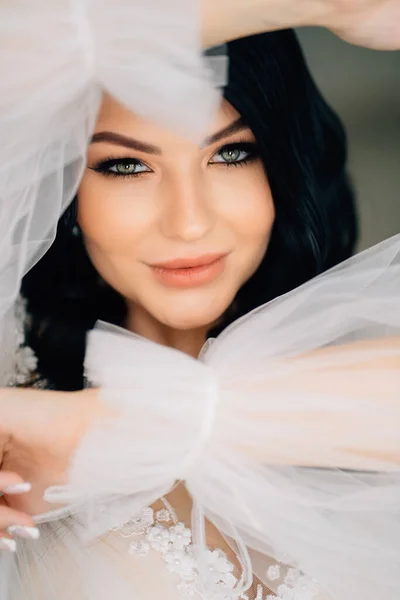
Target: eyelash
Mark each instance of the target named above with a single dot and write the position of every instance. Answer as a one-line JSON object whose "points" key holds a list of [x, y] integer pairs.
{"points": [[250, 148]]}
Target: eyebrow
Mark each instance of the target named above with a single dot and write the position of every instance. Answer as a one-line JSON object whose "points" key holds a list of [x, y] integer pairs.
{"points": [[118, 139], [238, 125], [122, 140]]}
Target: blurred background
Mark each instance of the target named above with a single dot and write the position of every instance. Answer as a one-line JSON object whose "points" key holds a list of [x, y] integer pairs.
{"points": [[363, 86]]}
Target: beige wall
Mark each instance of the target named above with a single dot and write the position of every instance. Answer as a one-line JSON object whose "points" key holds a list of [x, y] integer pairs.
{"points": [[364, 88]]}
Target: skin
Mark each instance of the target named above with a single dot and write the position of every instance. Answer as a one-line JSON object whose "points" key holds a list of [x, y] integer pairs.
{"points": [[370, 23], [186, 202]]}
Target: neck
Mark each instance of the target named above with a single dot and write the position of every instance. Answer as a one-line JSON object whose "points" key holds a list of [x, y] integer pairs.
{"points": [[189, 341]]}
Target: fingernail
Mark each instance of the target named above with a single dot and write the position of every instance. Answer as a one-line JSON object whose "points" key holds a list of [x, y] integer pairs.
{"points": [[18, 488], [6, 544], [28, 533]]}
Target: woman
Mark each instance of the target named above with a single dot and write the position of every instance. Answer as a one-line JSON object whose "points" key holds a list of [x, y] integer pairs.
{"points": [[291, 195], [189, 199]]}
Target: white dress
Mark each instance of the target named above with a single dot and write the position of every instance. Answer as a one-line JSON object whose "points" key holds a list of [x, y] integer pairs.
{"points": [[150, 556], [288, 385]]}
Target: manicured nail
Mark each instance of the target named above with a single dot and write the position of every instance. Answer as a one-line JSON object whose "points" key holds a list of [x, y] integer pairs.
{"points": [[18, 488], [28, 533], [6, 544]]}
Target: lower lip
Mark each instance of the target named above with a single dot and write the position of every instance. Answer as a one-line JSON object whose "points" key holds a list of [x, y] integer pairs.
{"points": [[190, 277]]}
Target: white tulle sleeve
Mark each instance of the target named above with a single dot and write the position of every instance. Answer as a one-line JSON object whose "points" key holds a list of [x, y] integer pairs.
{"points": [[287, 432], [57, 57]]}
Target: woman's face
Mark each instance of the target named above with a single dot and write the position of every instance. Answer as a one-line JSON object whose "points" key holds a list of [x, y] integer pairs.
{"points": [[174, 227]]}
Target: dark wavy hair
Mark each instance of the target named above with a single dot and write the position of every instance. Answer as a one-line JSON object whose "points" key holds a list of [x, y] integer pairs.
{"points": [[303, 148]]}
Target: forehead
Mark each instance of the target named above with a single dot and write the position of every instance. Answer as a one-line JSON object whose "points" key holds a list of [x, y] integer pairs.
{"points": [[115, 117]]}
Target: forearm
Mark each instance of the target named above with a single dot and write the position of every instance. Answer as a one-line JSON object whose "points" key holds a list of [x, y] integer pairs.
{"points": [[225, 20], [369, 23], [335, 407]]}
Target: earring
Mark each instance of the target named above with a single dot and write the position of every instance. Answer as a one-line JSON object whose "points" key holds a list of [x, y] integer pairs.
{"points": [[76, 232]]}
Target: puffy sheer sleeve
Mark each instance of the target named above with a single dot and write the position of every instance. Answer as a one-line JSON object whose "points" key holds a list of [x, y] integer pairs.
{"points": [[287, 432], [57, 57]]}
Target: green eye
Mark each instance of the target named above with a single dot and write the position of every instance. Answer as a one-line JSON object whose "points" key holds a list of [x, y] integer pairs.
{"points": [[235, 154], [121, 167], [124, 168], [230, 154]]}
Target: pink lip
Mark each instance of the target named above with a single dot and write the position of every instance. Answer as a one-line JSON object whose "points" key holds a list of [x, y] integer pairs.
{"points": [[190, 272]]}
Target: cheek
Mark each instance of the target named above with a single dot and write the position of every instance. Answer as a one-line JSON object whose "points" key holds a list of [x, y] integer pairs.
{"points": [[111, 215], [249, 208], [254, 222]]}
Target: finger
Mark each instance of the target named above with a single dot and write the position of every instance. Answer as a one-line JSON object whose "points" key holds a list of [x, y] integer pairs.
{"points": [[10, 517], [7, 543], [12, 483], [14, 523], [21, 528]]}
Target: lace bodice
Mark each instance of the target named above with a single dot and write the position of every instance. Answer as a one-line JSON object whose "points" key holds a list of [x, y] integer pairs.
{"points": [[208, 575]]}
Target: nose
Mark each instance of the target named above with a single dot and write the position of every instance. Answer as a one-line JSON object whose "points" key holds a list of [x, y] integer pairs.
{"points": [[187, 214]]}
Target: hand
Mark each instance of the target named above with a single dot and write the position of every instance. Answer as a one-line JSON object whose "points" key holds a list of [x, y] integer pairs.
{"points": [[370, 23], [39, 432]]}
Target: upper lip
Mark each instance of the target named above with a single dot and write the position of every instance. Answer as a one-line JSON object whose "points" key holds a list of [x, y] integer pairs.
{"points": [[187, 263]]}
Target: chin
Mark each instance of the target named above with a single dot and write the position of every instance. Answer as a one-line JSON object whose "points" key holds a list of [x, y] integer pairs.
{"points": [[194, 317], [186, 322]]}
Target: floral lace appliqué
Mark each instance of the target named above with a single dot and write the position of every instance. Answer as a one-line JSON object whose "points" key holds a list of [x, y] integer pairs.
{"points": [[209, 575], [25, 361], [294, 584]]}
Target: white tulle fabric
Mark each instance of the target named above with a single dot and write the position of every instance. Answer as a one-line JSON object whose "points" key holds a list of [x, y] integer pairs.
{"points": [[286, 431], [57, 57]]}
